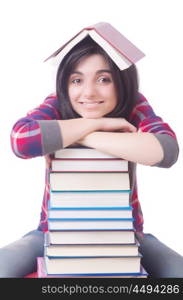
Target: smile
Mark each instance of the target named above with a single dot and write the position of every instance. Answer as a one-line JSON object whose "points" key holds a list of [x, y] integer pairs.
{"points": [[91, 103]]}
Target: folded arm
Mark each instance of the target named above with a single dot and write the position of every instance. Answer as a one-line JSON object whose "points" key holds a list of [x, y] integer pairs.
{"points": [[43, 132], [143, 148]]}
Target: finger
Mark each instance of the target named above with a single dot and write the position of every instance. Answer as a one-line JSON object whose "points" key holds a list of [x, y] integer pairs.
{"points": [[133, 128], [130, 128]]}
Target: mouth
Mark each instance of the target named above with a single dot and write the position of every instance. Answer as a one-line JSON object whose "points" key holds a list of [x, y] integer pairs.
{"points": [[90, 103]]}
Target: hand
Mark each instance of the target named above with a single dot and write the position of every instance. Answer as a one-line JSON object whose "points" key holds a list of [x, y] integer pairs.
{"points": [[116, 124]]}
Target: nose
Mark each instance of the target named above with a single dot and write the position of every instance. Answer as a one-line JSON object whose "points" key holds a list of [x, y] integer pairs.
{"points": [[89, 90]]}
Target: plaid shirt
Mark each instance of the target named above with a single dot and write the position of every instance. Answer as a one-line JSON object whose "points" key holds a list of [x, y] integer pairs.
{"points": [[26, 141]]}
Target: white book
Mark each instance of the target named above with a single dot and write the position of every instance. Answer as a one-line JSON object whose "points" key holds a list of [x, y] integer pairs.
{"points": [[90, 250], [89, 165], [88, 181], [91, 237], [90, 225], [81, 153], [89, 213], [41, 272], [94, 265], [89, 199]]}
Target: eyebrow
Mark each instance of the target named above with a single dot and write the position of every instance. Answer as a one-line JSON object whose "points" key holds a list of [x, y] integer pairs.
{"points": [[98, 72]]}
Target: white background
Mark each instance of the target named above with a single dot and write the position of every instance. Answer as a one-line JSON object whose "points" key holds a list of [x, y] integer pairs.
{"points": [[31, 31]]}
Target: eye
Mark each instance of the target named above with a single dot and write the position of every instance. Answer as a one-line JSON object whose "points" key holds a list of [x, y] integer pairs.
{"points": [[104, 79], [76, 81]]}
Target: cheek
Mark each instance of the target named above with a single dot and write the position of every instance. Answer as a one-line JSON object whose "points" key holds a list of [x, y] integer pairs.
{"points": [[73, 95], [111, 96]]}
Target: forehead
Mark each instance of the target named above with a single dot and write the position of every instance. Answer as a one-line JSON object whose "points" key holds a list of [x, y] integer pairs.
{"points": [[93, 62]]}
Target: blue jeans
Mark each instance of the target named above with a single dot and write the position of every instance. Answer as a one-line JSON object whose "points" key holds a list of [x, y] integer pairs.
{"points": [[19, 258]]}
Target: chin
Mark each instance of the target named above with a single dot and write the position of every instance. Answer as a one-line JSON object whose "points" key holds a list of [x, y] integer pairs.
{"points": [[92, 116]]}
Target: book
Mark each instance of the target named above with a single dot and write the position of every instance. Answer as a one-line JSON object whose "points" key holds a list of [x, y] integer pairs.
{"points": [[90, 224], [89, 181], [85, 250], [90, 220], [66, 165], [123, 52], [92, 199], [86, 214], [42, 273], [90, 237], [82, 153], [93, 265]]}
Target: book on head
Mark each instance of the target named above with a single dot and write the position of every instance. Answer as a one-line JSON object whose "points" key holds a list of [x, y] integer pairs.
{"points": [[123, 52]]}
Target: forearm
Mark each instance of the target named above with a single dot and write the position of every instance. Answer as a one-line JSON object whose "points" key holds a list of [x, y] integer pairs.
{"points": [[142, 148], [75, 129], [31, 138]]}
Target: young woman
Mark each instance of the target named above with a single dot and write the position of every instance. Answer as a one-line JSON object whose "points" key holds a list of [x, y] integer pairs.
{"points": [[98, 106]]}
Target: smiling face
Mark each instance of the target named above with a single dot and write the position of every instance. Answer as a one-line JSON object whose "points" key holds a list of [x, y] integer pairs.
{"points": [[91, 89]]}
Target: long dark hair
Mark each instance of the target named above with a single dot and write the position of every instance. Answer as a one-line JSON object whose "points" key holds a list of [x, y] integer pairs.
{"points": [[125, 81]]}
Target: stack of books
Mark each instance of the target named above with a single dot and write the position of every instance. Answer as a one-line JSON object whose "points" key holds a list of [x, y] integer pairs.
{"points": [[90, 221]]}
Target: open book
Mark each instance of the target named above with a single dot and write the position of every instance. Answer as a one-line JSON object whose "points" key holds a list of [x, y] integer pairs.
{"points": [[117, 46]]}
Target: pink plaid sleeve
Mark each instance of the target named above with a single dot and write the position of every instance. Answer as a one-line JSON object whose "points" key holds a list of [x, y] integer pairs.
{"points": [[26, 135], [144, 118]]}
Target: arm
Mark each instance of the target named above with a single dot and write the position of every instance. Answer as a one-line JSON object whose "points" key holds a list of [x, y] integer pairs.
{"points": [[137, 147], [154, 144], [75, 129], [82, 127], [42, 132]]}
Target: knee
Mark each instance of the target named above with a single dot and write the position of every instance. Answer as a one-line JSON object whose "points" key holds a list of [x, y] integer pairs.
{"points": [[7, 266]]}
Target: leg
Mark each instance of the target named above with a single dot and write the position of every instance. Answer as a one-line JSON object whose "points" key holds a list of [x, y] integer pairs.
{"points": [[19, 258], [159, 260]]}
